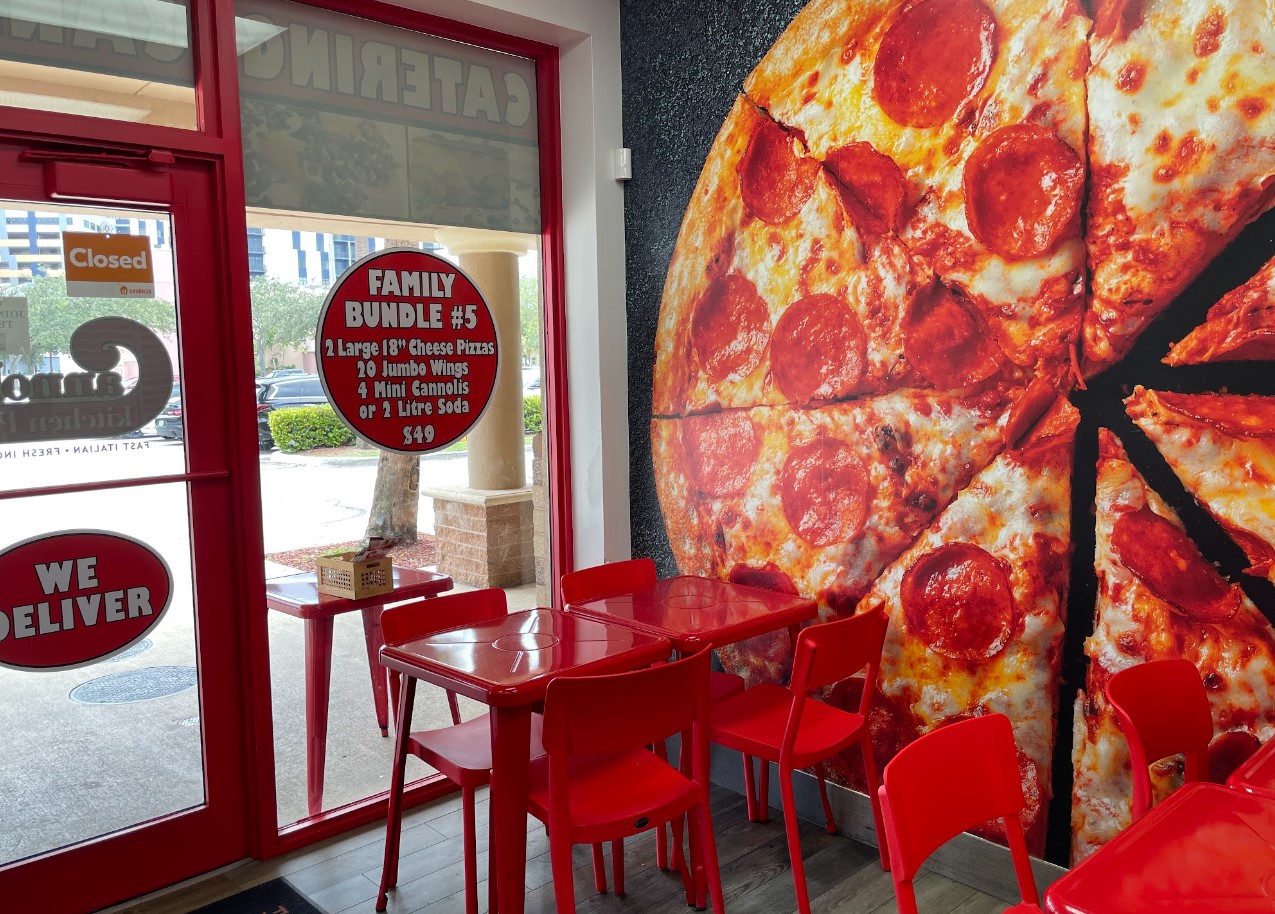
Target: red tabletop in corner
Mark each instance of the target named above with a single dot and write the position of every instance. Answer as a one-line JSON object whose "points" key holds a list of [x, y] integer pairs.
{"points": [[507, 663], [1205, 849], [298, 595], [1257, 774], [695, 612]]}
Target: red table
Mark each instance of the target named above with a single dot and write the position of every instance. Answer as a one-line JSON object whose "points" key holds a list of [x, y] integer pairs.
{"points": [[298, 595], [507, 664], [1207, 848], [694, 612], [1257, 774]]}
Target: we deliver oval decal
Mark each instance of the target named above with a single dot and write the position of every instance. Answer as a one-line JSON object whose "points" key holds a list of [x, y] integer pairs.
{"points": [[77, 596]]}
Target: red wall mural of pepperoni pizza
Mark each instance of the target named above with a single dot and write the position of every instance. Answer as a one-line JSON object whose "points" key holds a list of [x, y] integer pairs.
{"points": [[407, 350], [909, 353]]}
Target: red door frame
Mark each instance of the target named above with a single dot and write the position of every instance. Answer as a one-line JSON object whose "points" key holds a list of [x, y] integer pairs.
{"points": [[182, 844], [216, 146]]}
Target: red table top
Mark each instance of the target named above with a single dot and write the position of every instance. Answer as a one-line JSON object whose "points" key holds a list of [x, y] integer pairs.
{"points": [[509, 661], [1257, 774], [1207, 848], [694, 612], [298, 594]]}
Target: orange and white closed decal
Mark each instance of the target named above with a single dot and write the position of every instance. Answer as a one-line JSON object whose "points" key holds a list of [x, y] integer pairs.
{"points": [[108, 266]]}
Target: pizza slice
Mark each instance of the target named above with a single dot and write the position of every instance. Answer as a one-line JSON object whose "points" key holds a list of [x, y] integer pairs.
{"points": [[969, 117], [976, 608], [1239, 328], [1223, 449], [1181, 122], [817, 501], [1158, 598], [775, 294]]}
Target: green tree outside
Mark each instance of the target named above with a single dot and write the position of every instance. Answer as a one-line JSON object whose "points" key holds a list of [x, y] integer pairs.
{"points": [[284, 315], [54, 316]]}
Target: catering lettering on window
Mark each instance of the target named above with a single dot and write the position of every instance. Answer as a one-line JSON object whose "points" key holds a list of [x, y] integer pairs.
{"points": [[353, 118], [407, 351], [342, 62], [76, 596]]}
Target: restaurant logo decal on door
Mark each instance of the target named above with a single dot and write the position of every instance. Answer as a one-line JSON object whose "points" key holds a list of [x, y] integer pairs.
{"points": [[407, 351], [56, 406], [75, 597]]}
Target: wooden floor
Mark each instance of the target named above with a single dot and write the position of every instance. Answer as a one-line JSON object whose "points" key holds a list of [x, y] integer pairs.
{"points": [[342, 874]]}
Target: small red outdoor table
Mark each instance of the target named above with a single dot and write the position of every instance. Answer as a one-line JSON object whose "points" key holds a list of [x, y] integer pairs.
{"points": [[694, 612], [298, 595], [1205, 849], [1257, 774], [507, 664]]}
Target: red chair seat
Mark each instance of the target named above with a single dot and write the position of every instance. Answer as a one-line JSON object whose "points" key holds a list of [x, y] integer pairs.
{"points": [[652, 789], [754, 721], [463, 751]]}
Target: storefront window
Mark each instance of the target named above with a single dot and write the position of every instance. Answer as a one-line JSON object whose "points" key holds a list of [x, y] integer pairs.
{"points": [[126, 60], [360, 138]]}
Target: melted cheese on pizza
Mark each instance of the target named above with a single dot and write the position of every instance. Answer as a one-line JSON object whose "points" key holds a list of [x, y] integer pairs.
{"points": [[1182, 109], [1232, 476], [992, 642]]}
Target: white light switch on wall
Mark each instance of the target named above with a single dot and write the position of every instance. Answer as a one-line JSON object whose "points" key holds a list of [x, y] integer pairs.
{"points": [[623, 164]]}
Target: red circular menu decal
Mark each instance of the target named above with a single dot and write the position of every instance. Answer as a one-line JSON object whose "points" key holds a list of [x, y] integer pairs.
{"points": [[407, 350], [74, 597]]}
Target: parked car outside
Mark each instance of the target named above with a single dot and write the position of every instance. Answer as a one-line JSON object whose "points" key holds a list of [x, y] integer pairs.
{"points": [[279, 374], [168, 424], [302, 390]]}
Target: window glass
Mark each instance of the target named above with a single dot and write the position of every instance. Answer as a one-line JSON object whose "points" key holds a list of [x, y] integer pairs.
{"points": [[125, 60], [360, 137]]}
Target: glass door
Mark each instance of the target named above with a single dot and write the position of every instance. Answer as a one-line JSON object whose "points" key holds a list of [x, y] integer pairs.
{"points": [[123, 760]]}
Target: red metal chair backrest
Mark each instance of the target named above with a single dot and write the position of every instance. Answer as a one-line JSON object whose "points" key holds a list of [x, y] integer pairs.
{"points": [[1163, 710], [945, 783], [830, 652], [594, 715], [600, 581], [427, 616]]}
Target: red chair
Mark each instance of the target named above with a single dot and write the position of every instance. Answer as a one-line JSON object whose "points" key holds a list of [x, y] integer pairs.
{"points": [[608, 580], [949, 781], [599, 782], [1163, 710], [791, 727], [462, 751]]}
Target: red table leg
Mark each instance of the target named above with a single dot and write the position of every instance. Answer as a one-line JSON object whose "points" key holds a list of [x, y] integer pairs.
{"points": [[374, 639], [510, 748], [318, 682]]}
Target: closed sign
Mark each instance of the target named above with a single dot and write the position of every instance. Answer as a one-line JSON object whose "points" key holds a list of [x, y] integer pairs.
{"points": [[108, 266], [78, 596]]}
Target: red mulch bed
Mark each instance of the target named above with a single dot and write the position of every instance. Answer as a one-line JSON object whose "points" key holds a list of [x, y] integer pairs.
{"points": [[420, 555]]}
